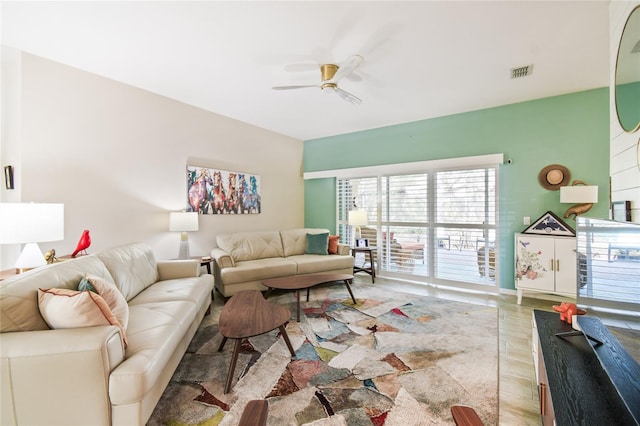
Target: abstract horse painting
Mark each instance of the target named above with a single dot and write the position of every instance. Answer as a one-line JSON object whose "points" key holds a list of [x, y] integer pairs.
{"points": [[198, 194], [213, 191]]}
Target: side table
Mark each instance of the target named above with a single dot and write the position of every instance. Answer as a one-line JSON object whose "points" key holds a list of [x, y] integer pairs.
{"points": [[371, 269]]}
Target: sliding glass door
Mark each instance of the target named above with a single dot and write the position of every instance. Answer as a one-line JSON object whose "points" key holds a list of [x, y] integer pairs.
{"points": [[436, 226]]}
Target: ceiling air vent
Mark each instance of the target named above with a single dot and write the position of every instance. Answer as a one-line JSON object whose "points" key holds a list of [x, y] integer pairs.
{"points": [[521, 71]]}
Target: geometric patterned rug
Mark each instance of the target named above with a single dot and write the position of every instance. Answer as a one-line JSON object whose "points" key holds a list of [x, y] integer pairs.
{"points": [[391, 359]]}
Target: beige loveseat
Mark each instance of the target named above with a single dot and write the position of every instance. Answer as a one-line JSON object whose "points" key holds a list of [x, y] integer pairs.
{"points": [[242, 260], [85, 376]]}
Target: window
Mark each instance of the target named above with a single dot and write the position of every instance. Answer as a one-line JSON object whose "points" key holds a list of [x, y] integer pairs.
{"points": [[436, 226]]}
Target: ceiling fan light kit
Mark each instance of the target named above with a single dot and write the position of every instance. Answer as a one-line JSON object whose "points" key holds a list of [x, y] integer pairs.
{"points": [[330, 75]]}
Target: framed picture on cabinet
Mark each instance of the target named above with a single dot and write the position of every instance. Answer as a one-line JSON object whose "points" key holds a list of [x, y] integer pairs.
{"points": [[550, 224], [621, 211]]}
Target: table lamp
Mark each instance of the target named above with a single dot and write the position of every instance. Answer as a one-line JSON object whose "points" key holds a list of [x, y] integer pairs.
{"points": [[358, 218], [29, 224], [183, 222], [581, 193]]}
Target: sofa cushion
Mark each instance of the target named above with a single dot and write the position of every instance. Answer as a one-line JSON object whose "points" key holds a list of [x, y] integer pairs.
{"points": [[260, 269], [317, 244], [314, 263], [251, 245], [19, 294], [133, 268], [156, 329], [65, 308], [294, 241]]}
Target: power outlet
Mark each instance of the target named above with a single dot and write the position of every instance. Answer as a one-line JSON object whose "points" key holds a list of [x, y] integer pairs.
{"points": [[526, 220]]}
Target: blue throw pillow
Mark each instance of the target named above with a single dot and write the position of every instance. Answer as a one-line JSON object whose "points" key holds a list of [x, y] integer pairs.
{"points": [[85, 285], [317, 243]]}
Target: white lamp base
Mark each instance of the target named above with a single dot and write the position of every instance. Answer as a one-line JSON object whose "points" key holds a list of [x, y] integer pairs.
{"points": [[183, 252], [31, 257]]}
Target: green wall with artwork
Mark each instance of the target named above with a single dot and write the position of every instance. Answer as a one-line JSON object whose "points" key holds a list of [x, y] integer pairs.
{"points": [[571, 130]]}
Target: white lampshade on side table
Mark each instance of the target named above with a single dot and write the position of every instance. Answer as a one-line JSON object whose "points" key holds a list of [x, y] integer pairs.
{"points": [[29, 224], [183, 222], [357, 218]]}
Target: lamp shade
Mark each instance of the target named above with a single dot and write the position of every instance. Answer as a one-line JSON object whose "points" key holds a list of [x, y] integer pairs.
{"points": [[579, 194], [358, 218], [31, 222], [183, 221]]}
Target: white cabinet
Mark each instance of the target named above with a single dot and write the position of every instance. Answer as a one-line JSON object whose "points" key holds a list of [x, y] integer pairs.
{"points": [[545, 264]]}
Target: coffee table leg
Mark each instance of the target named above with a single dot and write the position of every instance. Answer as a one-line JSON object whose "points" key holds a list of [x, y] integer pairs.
{"points": [[221, 347], [285, 336], [308, 288], [232, 366], [346, 282]]}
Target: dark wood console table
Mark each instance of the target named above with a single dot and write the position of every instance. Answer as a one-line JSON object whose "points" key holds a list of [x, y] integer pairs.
{"points": [[583, 382]]}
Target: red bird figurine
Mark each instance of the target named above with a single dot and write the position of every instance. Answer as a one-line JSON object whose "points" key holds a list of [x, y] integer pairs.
{"points": [[83, 244]]}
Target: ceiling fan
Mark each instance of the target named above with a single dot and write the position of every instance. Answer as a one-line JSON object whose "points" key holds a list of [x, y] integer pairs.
{"points": [[331, 74]]}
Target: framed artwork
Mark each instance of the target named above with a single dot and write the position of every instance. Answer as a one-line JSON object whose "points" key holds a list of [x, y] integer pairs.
{"points": [[362, 242], [8, 177], [550, 224], [621, 211], [213, 191]]}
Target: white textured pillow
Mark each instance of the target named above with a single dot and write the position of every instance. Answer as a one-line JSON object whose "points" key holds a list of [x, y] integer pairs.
{"points": [[116, 301], [64, 308]]}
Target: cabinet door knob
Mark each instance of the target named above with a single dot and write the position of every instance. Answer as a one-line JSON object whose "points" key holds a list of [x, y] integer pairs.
{"points": [[552, 264]]}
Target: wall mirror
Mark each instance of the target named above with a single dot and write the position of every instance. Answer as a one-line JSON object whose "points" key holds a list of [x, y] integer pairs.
{"points": [[627, 90]]}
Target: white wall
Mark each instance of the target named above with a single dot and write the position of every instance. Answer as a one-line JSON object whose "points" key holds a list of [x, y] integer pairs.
{"points": [[624, 163], [116, 156]]}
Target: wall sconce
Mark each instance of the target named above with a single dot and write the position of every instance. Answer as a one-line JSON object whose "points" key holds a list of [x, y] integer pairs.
{"points": [[358, 218], [29, 224], [578, 192], [183, 222]]}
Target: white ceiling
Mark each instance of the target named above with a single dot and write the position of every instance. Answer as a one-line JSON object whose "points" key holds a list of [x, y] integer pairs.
{"points": [[421, 59]]}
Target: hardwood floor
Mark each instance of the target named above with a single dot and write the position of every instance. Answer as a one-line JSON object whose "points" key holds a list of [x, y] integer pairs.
{"points": [[518, 392]]}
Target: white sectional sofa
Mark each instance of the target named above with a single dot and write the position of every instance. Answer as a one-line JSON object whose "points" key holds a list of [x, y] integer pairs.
{"points": [[85, 375], [242, 260]]}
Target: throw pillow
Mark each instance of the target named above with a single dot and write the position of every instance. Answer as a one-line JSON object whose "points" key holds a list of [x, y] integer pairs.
{"points": [[85, 285], [64, 308], [110, 293], [333, 244], [317, 243]]}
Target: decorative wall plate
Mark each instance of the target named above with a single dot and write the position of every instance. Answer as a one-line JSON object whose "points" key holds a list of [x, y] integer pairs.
{"points": [[550, 224], [554, 176]]}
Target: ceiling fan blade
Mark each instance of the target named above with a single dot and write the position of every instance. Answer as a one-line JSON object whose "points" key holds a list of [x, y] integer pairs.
{"points": [[347, 67], [348, 96], [295, 87]]}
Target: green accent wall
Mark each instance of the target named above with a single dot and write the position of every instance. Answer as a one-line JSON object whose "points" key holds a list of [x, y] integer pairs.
{"points": [[571, 130]]}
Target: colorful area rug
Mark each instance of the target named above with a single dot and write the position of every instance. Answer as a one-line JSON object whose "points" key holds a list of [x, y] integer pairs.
{"points": [[391, 359]]}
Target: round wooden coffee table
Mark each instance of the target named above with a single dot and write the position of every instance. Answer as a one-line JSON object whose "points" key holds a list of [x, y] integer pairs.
{"points": [[300, 282], [245, 315]]}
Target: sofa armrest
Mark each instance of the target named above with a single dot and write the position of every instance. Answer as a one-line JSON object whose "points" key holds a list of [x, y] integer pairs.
{"points": [[59, 372], [173, 269], [344, 249], [222, 259]]}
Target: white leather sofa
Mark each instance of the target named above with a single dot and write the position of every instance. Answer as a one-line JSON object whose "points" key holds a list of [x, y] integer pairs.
{"points": [[243, 260], [85, 376]]}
